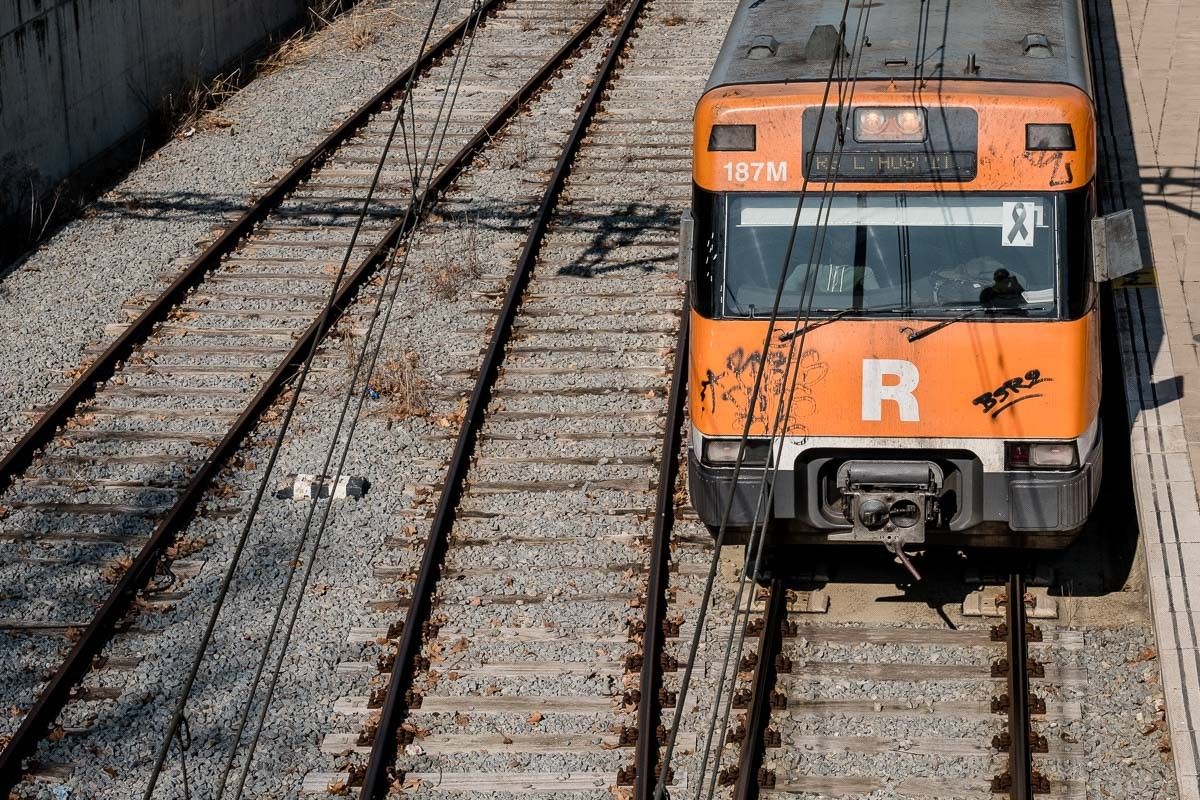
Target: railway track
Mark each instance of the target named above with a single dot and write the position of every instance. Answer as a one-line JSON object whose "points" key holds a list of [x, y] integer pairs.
{"points": [[975, 696], [885, 702], [538, 648], [504, 675], [110, 473]]}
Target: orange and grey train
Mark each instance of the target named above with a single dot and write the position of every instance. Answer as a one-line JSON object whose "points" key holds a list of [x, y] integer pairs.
{"points": [[943, 271]]}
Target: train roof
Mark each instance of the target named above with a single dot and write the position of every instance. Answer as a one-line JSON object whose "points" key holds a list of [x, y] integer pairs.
{"points": [[781, 41]]}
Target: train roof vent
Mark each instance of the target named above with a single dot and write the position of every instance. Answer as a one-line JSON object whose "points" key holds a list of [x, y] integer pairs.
{"points": [[1036, 45], [762, 46], [824, 44]]}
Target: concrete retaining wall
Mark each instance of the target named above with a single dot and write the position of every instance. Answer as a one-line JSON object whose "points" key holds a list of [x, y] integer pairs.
{"points": [[79, 78]]}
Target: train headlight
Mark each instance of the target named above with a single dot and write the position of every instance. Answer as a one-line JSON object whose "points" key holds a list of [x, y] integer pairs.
{"points": [[724, 452], [910, 122], [870, 121], [893, 124], [1040, 455]]}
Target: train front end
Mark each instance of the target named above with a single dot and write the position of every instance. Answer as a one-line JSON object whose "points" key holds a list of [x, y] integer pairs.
{"points": [[931, 260]]}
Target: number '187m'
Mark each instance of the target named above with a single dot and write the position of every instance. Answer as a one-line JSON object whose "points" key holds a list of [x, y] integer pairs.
{"points": [[753, 171]]}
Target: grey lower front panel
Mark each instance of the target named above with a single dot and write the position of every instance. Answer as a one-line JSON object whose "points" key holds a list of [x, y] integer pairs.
{"points": [[1026, 509], [713, 489]]}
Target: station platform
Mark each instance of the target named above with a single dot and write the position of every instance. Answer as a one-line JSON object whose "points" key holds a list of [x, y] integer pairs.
{"points": [[1149, 163]]}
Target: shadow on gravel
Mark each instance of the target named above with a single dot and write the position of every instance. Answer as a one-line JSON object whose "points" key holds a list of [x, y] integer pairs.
{"points": [[166, 642], [615, 231]]}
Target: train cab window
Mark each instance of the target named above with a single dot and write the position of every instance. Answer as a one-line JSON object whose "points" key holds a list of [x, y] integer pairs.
{"points": [[886, 253]]}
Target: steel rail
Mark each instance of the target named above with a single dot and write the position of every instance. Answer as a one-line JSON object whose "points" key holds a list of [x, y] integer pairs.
{"points": [[57, 691], [646, 753], [377, 779], [106, 364], [1020, 745], [758, 716]]}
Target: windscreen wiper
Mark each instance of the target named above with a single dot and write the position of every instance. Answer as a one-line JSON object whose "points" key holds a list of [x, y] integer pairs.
{"points": [[932, 329], [787, 336], [972, 312]]}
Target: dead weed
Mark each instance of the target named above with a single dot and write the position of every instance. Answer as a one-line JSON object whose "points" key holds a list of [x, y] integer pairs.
{"points": [[404, 391], [463, 264]]}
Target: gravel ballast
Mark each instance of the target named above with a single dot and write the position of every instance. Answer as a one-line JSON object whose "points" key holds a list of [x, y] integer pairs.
{"points": [[60, 298], [402, 455]]}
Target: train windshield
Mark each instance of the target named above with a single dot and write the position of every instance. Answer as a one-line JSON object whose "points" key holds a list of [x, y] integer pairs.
{"points": [[924, 254]]}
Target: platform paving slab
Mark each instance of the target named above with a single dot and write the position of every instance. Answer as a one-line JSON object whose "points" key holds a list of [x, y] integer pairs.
{"points": [[1154, 133]]}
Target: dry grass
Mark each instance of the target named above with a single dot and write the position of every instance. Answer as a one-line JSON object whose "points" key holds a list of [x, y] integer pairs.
{"points": [[401, 388], [674, 14], [523, 146], [193, 107], [463, 265], [525, 20], [361, 26]]}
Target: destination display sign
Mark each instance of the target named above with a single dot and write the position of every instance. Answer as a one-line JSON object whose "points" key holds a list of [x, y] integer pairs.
{"points": [[859, 166]]}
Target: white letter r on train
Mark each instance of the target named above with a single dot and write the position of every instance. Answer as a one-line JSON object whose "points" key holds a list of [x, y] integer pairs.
{"points": [[899, 389]]}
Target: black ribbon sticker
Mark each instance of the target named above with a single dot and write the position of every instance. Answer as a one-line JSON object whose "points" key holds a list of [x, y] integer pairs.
{"points": [[1019, 214]]}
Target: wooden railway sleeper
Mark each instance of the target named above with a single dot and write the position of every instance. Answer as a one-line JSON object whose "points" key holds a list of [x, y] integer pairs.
{"points": [[1033, 667], [355, 774], [1001, 703], [1002, 783], [999, 633], [1037, 743], [627, 776], [666, 697], [367, 735]]}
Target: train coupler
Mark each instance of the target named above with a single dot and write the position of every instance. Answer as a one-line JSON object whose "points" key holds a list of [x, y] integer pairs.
{"points": [[890, 502]]}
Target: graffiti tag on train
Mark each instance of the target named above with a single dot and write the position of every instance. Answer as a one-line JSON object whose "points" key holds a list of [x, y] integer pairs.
{"points": [[1009, 393], [735, 384]]}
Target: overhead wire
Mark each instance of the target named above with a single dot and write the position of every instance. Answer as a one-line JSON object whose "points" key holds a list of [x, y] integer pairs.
{"points": [[739, 461], [323, 323], [756, 543], [788, 389], [430, 160]]}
